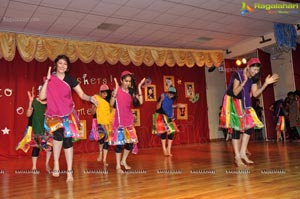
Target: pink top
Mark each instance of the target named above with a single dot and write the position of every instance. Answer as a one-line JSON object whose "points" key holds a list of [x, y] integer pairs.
{"points": [[123, 114], [59, 98]]}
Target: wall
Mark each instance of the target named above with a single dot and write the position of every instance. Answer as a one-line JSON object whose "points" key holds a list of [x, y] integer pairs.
{"points": [[215, 87]]}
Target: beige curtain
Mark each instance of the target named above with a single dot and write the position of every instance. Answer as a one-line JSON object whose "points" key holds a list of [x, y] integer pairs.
{"points": [[40, 48]]}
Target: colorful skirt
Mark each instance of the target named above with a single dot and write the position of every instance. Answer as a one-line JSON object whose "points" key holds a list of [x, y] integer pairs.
{"points": [[100, 131], [70, 124], [280, 124], [123, 135], [31, 140], [163, 124], [235, 117]]}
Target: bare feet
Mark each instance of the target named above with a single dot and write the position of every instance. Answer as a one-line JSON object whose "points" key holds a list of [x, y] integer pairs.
{"points": [[246, 159], [48, 168], [99, 159], [119, 170], [239, 162], [165, 153], [55, 172], [105, 163], [248, 153], [127, 167], [70, 176]]}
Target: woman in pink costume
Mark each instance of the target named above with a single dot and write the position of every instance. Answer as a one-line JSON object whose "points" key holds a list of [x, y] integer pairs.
{"points": [[61, 117], [123, 132]]}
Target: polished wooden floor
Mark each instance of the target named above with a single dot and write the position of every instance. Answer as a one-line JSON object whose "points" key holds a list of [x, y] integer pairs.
{"points": [[195, 171]]}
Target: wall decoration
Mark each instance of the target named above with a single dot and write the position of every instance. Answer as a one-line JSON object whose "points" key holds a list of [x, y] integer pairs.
{"points": [[189, 89], [182, 112], [82, 129], [168, 81], [150, 93], [136, 117]]}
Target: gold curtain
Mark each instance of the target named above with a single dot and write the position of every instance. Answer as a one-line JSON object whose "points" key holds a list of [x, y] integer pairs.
{"points": [[40, 48]]}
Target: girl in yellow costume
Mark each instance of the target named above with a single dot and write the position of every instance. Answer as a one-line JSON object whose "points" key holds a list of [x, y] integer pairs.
{"points": [[102, 123]]}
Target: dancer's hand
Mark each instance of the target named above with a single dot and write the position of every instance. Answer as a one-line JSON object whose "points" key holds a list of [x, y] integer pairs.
{"points": [[30, 95], [94, 100], [49, 73], [270, 79]]}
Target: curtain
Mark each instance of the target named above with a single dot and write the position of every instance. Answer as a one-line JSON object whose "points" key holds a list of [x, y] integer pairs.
{"points": [[41, 48], [268, 94], [18, 76], [296, 66]]}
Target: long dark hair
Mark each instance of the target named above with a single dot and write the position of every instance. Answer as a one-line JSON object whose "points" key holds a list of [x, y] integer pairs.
{"points": [[133, 89]]}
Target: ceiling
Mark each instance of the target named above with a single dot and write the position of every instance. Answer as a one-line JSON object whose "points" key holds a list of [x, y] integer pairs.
{"points": [[196, 24]]}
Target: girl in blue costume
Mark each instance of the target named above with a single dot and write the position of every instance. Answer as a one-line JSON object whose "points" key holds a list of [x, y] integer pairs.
{"points": [[163, 119]]}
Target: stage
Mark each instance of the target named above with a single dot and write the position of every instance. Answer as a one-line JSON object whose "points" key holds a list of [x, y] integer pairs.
{"points": [[194, 171]]}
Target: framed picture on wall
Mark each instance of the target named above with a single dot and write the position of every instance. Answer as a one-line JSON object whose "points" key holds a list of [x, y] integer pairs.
{"points": [[136, 117], [182, 112], [189, 88], [150, 93], [168, 81], [82, 129]]}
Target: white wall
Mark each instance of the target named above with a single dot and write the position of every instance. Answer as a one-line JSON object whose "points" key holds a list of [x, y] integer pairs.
{"points": [[283, 66], [215, 88]]}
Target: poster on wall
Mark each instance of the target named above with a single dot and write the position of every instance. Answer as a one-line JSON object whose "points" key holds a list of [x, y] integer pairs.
{"points": [[189, 89], [168, 82], [150, 93], [182, 112], [136, 117], [82, 129]]}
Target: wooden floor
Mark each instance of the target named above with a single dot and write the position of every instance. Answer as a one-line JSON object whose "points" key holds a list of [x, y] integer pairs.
{"points": [[195, 171]]}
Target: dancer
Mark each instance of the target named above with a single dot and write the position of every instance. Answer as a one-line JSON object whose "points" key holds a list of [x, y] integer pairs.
{"points": [[279, 119], [61, 117], [103, 121], [123, 129], [237, 114], [163, 119], [35, 135]]}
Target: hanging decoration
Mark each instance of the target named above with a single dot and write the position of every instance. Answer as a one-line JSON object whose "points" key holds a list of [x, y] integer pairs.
{"points": [[286, 36]]}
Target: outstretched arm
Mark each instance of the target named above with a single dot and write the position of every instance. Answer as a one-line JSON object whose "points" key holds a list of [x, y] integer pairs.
{"points": [[84, 96]]}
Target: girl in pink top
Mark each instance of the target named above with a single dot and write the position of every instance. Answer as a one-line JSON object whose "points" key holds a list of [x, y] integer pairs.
{"points": [[123, 132]]}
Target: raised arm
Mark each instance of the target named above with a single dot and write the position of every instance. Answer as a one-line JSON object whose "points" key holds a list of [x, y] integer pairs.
{"points": [[43, 91], [114, 93], [140, 95], [30, 108]]}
